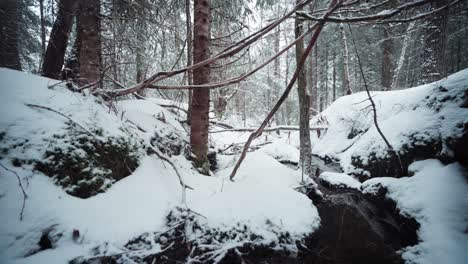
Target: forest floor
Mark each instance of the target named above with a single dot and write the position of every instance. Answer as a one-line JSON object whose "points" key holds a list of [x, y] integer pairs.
{"points": [[93, 187]]}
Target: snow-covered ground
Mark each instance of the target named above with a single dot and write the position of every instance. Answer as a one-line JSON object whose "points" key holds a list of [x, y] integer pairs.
{"points": [[262, 197]]}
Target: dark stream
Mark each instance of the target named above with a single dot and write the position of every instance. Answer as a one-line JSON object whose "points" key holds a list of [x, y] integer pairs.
{"points": [[356, 228]]}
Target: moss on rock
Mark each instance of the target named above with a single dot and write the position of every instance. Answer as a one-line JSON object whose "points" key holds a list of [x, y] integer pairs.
{"points": [[88, 165]]}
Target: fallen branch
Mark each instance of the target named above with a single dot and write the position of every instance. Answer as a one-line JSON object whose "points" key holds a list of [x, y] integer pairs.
{"points": [[174, 106], [333, 6], [181, 181], [71, 120], [25, 196], [271, 129]]}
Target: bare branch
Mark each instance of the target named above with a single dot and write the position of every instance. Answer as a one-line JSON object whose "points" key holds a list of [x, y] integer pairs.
{"points": [[226, 53], [25, 196], [57, 112], [271, 129], [333, 6], [376, 17]]}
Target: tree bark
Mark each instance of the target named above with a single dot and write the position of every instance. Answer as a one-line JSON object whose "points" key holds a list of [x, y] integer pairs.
{"points": [[9, 27], [58, 40], [346, 81], [401, 60], [433, 65], [387, 59], [334, 78], [90, 33], [305, 157], [43, 31], [201, 97], [188, 24]]}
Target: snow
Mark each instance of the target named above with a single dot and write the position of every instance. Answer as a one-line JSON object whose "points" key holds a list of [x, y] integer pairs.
{"points": [[340, 180], [262, 195], [437, 197], [401, 114]]}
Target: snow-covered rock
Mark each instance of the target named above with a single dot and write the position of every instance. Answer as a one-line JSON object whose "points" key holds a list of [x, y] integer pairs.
{"points": [[340, 180], [437, 197], [420, 123]]}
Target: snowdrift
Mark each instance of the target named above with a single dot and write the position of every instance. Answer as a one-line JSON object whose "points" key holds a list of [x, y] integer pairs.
{"points": [[421, 122], [59, 226]]}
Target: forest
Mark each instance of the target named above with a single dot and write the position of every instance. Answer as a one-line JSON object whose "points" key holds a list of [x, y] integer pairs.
{"points": [[234, 131]]}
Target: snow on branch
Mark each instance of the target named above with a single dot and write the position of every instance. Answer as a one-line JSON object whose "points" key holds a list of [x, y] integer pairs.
{"points": [[381, 17]]}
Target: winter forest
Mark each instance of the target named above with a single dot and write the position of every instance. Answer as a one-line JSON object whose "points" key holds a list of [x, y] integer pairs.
{"points": [[234, 131]]}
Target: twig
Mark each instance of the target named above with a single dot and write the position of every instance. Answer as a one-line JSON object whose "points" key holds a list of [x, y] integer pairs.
{"points": [[374, 110], [25, 196], [57, 112], [181, 181]]}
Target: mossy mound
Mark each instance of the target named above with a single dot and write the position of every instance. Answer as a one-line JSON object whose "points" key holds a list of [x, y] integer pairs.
{"points": [[419, 147], [85, 165], [170, 144]]}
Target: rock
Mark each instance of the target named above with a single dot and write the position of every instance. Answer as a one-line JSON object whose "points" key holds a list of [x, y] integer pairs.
{"points": [[461, 147]]}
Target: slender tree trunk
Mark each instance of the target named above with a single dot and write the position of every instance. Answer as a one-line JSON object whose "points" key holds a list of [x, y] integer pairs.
{"points": [[387, 59], [201, 97], [401, 60], [58, 40], [326, 77], [188, 24], [433, 65], [305, 159], [72, 63], [9, 27], [276, 65], [346, 81], [334, 79], [43, 31], [90, 32]]}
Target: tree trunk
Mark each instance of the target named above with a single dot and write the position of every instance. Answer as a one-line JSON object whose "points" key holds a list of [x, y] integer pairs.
{"points": [[43, 31], [188, 24], [9, 27], [90, 34], [401, 60], [201, 97], [433, 65], [346, 81], [387, 59], [305, 157], [334, 79], [58, 40]]}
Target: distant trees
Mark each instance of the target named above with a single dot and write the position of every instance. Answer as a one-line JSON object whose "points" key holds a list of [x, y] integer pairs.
{"points": [[10, 18], [435, 39]]}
